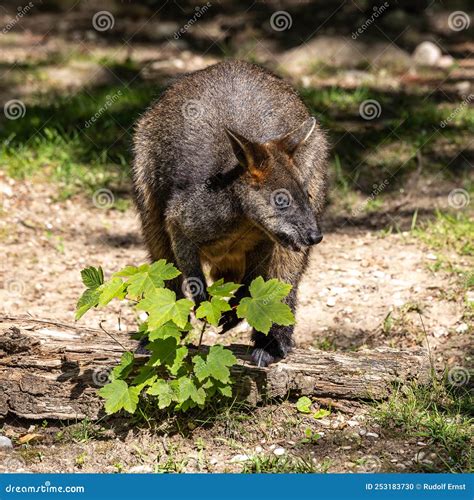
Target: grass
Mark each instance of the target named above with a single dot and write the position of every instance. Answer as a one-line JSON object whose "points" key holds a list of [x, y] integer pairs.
{"points": [[448, 233], [437, 415], [280, 465], [56, 140]]}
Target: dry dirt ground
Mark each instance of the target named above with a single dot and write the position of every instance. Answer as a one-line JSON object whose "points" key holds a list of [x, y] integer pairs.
{"points": [[355, 279]]}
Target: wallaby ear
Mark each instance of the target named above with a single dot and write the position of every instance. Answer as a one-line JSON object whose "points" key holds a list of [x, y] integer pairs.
{"points": [[290, 142], [249, 154]]}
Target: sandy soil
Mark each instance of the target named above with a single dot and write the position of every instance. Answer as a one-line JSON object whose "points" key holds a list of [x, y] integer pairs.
{"points": [[355, 278]]}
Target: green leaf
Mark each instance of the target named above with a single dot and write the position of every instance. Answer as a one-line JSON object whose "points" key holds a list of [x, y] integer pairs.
{"points": [[223, 290], [321, 413], [177, 363], [303, 405], [115, 288], [163, 390], [147, 277], [169, 329], [200, 368], [92, 277], [88, 300], [163, 351], [264, 306], [185, 389], [145, 376], [122, 370], [226, 390], [212, 310], [118, 395], [218, 362], [162, 306]]}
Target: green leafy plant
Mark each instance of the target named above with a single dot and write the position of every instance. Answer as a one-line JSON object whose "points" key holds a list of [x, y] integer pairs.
{"points": [[177, 374]]}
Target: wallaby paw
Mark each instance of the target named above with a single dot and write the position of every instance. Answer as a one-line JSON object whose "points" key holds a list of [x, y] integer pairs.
{"points": [[141, 348], [229, 320], [262, 358]]}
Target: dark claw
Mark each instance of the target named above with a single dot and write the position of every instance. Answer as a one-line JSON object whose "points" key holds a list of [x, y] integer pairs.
{"points": [[262, 358]]}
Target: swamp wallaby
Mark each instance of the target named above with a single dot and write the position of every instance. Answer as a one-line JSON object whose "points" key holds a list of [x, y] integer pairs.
{"points": [[229, 173]]}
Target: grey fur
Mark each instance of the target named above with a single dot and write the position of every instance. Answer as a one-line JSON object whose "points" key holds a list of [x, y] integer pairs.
{"points": [[214, 158]]}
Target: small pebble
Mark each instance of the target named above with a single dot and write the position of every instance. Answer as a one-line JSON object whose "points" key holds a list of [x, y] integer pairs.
{"points": [[279, 452], [240, 458], [372, 435], [331, 302], [140, 469], [258, 449], [5, 442], [462, 328]]}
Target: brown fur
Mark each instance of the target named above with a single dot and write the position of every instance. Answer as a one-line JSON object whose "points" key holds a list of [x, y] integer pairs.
{"points": [[206, 183]]}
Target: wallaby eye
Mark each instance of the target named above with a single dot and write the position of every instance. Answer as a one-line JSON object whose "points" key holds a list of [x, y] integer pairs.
{"points": [[310, 196]]}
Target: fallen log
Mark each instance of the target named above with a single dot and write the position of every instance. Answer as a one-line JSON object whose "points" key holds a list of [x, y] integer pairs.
{"points": [[51, 370]]}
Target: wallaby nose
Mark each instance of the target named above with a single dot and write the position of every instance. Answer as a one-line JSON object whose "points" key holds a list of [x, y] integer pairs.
{"points": [[314, 237]]}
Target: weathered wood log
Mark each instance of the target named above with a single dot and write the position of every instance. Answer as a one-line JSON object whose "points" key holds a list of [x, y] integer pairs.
{"points": [[50, 370]]}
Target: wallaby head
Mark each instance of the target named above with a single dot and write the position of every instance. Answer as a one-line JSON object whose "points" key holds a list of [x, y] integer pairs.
{"points": [[271, 189]]}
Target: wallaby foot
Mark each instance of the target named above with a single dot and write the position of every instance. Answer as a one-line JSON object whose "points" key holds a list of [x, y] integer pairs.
{"points": [[229, 320], [272, 347], [141, 348]]}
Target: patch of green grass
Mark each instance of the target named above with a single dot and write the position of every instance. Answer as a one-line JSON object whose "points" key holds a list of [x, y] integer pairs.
{"points": [[262, 464], [437, 415], [448, 233], [408, 130], [81, 142]]}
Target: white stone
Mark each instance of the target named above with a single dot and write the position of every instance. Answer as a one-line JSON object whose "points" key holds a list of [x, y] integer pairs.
{"points": [[331, 302], [140, 469], [462, 328], [427, 54], [372, 435], [5, 442], [279, 451], [240, 458], [431, 256], [258, 449], [445, 62]]}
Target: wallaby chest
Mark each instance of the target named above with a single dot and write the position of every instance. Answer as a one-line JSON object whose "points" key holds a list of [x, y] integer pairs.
{"points": [[226, 256]]}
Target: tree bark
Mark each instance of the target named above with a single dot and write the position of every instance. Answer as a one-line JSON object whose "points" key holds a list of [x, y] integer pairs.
{"points": [[51, 370]]}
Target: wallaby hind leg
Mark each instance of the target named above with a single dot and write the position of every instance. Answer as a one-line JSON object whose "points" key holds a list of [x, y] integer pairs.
{"points": [[286, 266]]}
